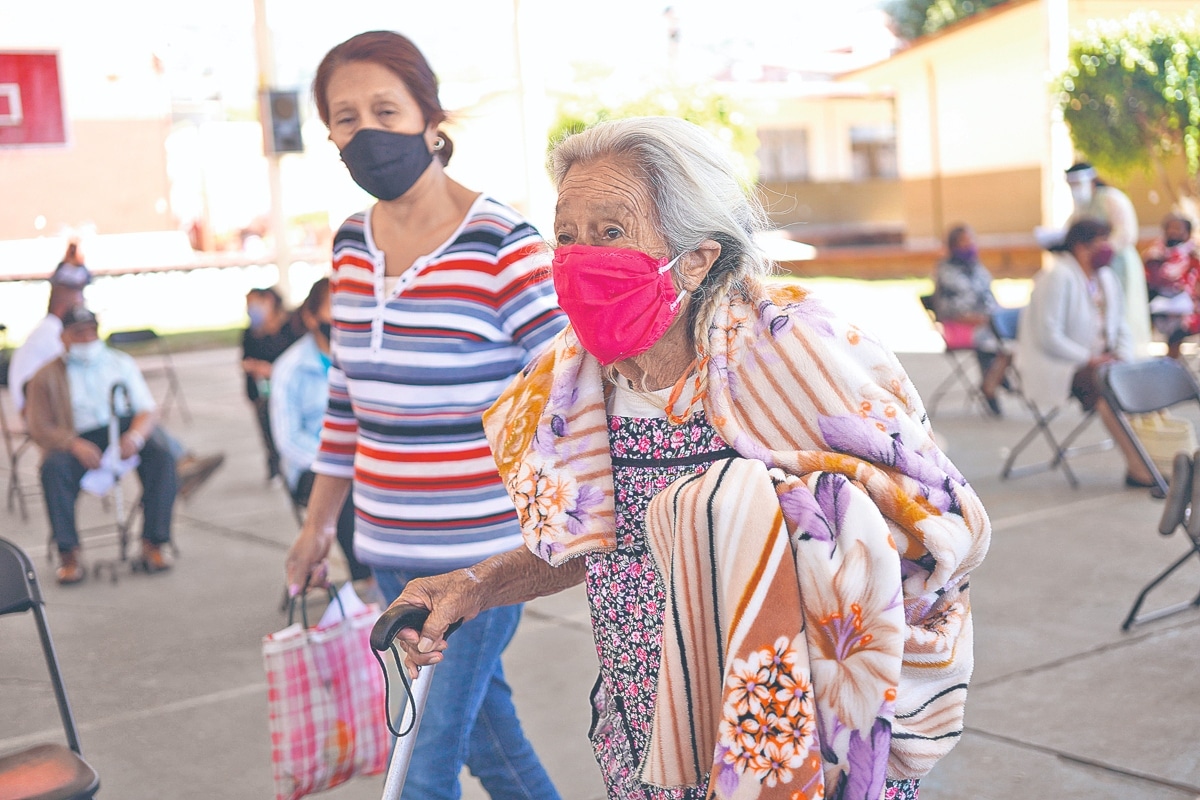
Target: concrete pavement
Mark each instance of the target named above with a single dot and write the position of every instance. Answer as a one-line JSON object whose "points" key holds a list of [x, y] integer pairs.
{"points": [[165, 674]]}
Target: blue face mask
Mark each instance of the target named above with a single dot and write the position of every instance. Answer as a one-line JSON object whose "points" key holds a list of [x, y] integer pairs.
{"points": [[83, 353], [326, 361]]}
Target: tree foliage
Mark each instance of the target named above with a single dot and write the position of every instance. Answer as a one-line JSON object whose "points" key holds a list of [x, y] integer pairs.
{"points": [[914, 18], [1131, 95], [698, 104]]}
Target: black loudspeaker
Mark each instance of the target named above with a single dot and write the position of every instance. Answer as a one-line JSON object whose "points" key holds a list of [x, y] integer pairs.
{"points": [[281, 122]]}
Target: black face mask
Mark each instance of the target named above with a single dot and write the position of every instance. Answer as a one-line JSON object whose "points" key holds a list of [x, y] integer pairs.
{"points": [[326, 330], [1175, 242], [386, 164]]}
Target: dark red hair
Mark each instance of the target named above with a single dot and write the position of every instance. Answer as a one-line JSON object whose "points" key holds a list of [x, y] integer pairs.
{"points": [[393, 52]]}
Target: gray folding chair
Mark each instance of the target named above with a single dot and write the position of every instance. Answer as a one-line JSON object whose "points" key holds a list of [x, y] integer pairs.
{"points": [[1179, 511], [1062, 450], [44, 770], [963, 373], [1141, 387], [136, 341]]}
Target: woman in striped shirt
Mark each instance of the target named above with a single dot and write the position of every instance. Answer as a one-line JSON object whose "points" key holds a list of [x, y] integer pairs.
{"points": [[440, 296]]}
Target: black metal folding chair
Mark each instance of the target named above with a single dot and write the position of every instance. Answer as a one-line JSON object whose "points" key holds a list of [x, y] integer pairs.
{"points": [[962, 370], [145, 337], [1062, 450], [1142, 387], [1179, 511], [48, 770]]}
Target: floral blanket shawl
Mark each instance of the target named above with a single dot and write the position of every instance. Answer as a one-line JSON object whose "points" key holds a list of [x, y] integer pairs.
{"points": [[818, 631]]}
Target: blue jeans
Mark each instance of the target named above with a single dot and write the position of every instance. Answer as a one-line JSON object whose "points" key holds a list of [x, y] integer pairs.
{"points": [[469, 717]]}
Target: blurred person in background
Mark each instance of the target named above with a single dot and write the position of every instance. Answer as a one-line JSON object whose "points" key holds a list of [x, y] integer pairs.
{"points": [[272, 330], [1173, 278], [299, 395], [44, 344], [962, 295], [71, 271], [1074, 323], [1095, 199], [68, 413], [440, 295]]}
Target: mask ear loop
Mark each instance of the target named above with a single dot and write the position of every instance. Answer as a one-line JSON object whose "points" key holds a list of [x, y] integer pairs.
{"points": [[682, 292]]}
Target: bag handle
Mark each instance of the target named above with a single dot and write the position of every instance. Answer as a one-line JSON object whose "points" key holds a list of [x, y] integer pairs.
{"points": [[383, 637], [303, 598]]}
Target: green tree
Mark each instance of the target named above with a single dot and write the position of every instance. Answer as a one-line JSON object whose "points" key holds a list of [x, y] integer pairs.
{"points": [[699, 104], [915, 18], [1131, 95]]}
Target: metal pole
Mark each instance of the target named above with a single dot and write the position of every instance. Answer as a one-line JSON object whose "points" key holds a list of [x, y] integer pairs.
{"points": [[266, 79], [402, 754]]}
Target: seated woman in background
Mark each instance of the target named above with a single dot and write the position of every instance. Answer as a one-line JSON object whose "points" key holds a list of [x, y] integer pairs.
{"points": [[1172, 274], [964, 304], [299, 395], [1075, 322], [272, 330]]}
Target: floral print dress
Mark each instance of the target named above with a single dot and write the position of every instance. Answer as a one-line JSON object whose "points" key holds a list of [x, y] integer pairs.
{"points": [[627, 600]]}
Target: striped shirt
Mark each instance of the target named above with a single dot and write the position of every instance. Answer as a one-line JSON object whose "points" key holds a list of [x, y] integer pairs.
{"points": [[414, 368]]}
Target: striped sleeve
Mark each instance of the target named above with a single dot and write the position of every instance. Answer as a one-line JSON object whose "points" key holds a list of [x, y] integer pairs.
{"points": [[528, 311], [339, 433]]}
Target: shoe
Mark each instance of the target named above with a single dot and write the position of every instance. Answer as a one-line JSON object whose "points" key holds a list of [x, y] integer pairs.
{"points": [[1134, 483], [193, 471], [153, 559], [993, 406], [69, 571]]}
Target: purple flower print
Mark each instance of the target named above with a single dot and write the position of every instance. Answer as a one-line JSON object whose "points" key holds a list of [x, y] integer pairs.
{"points": [[810, 311], [831, 497], [877, 440], [867, 761], [587, 498], [805, 516]]}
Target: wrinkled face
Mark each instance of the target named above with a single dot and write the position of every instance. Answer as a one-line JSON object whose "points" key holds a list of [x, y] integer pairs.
{"points": [[363, 94], [1175, 230], [605, 204]]}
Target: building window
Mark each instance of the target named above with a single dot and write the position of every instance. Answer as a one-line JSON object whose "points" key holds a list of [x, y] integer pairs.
{"points": [[783, 155], [873, 152]]}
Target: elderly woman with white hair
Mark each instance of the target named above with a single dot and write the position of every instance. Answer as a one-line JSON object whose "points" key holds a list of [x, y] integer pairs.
{"points": [[776, 553]]}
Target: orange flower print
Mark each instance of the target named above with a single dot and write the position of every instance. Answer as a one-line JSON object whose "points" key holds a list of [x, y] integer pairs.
{"points": [[542, 499], [749, 684], [775, 762], [768, 720]]}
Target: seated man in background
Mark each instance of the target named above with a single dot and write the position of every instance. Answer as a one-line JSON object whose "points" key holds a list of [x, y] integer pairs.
{"points": [[299, 394], [963, 302], [44, 344], [1172, 275], [68, 413], [1074, 323]]}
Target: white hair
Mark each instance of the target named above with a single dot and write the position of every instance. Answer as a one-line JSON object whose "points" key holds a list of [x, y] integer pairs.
{"points": [[697, 195]]}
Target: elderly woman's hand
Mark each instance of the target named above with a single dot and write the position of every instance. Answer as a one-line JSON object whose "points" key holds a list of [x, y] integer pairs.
{"points": [[513, 577], [452, 597]]}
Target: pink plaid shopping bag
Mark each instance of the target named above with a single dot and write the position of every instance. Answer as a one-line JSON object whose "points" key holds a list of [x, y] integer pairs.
{"points": [[326, 705]]}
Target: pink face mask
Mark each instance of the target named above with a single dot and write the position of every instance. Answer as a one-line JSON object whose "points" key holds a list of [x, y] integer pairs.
{"points": [[1102, 256], [620, 301]]}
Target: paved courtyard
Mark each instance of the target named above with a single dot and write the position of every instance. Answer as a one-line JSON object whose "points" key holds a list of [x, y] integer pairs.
{"points": [[166, 678]]}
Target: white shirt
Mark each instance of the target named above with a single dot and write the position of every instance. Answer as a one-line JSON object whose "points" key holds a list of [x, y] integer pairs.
{"points": [[91, 386], [43, 345]]}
